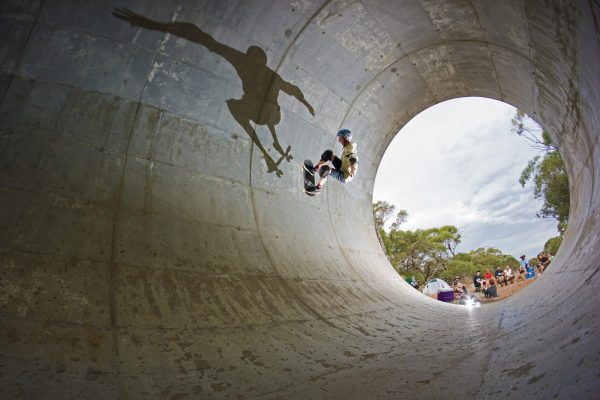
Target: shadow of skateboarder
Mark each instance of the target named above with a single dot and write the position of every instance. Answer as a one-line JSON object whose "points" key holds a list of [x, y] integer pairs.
{"points": [[261, 84]]}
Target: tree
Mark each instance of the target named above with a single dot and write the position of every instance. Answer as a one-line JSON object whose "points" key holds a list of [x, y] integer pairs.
{"points": [[382, 211], [458, 267], [546, 171], [492, 258], [450, 236], [551, 246], [466, 264], [423, 252], [525, 127], [429, 253], [401, 218]]}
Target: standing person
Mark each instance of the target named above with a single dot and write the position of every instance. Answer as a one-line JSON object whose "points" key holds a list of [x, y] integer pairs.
{"points": [[522, 267], [344, 167], [477, 281]]}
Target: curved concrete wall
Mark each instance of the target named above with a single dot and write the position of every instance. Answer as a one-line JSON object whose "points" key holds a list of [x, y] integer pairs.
{"points": [[155, 241]]}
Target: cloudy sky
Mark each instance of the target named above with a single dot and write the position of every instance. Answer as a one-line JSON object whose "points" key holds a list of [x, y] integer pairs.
{"points": [[458, 163]]}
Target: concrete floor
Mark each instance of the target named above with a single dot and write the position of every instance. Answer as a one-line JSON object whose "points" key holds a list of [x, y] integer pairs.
{"points": [[155, 242]]}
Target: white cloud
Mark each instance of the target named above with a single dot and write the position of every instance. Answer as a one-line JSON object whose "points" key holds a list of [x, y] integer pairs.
{"points": [[458, 163]]}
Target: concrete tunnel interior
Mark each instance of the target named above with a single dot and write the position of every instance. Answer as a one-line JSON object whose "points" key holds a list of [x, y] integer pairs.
{"points": [[155, 240]]}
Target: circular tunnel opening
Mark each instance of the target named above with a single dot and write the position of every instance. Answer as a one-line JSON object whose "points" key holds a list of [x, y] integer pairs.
{"points": [[471, 184]]}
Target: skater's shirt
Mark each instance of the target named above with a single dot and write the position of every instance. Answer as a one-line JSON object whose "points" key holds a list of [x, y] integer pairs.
{"points": [[348, 152]]}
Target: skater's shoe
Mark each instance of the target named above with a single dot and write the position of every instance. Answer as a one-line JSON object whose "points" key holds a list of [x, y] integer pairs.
{"points": [[313, 190], [310, 170]]}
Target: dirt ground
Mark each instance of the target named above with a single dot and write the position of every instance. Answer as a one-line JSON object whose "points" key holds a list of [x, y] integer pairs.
{"points": [[503, 291]]}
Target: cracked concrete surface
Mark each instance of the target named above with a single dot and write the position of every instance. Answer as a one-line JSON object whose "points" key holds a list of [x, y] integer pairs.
{"points": [[148, 249]]}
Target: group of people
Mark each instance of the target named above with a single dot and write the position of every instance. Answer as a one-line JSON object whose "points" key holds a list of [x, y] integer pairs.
{"points": [[487, 284], [543, 261]]}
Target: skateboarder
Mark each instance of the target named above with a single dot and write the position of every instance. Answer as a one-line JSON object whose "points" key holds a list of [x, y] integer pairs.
{"points": [[344, 167]]}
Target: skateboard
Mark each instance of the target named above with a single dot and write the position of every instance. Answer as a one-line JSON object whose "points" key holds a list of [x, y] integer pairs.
{"points": [[309, 178]]}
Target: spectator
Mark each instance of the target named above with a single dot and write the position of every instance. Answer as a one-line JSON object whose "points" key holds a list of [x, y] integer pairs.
{"points": [[544, 261], [459, 288], [477, 279], [522, 267], [486, 279], [499, 275], [519, 276], [509, 277], [412, 281], [491, 291]]}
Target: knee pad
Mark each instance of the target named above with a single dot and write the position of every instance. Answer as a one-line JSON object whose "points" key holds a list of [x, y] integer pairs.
{"points": [[327, 155], [324, 171]]}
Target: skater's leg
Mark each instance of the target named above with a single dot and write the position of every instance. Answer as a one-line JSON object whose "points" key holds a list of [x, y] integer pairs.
{"points": [[325, 157], [337, 173], [337, 162], [324, 171], [321, 183]]}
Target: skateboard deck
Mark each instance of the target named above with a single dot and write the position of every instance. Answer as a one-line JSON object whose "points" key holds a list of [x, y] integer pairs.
{"points": [[309, 178]]}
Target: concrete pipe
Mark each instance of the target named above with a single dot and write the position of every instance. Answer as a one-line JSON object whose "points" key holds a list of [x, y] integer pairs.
{"points": [[155, 242]]}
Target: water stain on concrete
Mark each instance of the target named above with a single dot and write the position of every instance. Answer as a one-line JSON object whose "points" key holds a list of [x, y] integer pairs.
{"points": [[521, 371], [536, 379], [250, 357]]}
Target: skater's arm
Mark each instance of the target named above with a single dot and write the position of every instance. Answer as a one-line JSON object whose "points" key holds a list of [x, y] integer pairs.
{"points": [[353, 167]]}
